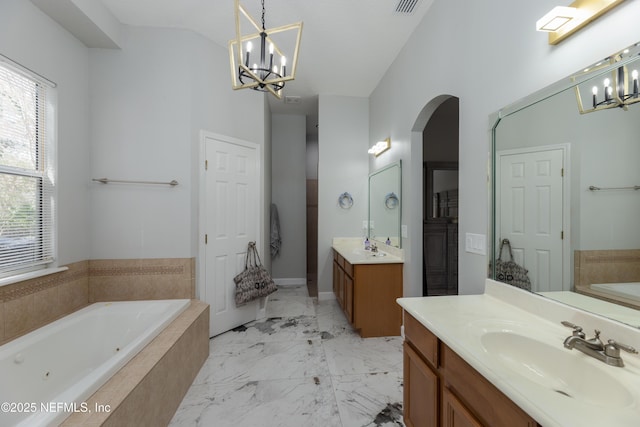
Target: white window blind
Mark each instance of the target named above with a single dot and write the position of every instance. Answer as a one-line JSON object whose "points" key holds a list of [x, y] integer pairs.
{"points": [[26, 173]]}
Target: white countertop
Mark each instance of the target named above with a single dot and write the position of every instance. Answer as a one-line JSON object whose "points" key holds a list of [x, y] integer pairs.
{"points": [[352, 249], [459, 321]]}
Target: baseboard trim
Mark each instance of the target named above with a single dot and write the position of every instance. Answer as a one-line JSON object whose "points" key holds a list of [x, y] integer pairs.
{"points": [[291, 281], [326, 296]]}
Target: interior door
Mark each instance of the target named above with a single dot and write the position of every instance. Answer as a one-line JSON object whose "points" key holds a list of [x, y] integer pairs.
{"points": [[231, 221], [530, 197]]}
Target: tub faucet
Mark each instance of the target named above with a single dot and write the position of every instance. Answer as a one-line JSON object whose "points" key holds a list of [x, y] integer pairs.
{"points": [[594, 347]]}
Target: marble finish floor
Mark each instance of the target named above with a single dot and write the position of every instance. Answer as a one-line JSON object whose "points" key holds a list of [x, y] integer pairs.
{"points": [[301, 366]]}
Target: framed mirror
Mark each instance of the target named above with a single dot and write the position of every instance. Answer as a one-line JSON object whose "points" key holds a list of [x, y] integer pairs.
{"points": [[565, 188], [385, 204]]}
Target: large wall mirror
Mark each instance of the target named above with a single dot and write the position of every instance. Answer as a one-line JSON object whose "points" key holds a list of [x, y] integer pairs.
{"points": [[385, 204], [566, 188]]}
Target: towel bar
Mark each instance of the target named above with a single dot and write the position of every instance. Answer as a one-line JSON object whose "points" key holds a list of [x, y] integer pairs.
{"points": [[172, 183]]}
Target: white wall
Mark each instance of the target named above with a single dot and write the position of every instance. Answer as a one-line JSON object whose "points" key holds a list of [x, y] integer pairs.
{"points": [[133, 113], [486, 66], [289, 193], [343, 140], [149, 102], [141, 130], [217, 108], [32, 39]]}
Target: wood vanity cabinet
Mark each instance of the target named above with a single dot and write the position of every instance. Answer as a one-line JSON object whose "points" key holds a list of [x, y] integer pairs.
{"points": [[441, 389], [367, 294]]}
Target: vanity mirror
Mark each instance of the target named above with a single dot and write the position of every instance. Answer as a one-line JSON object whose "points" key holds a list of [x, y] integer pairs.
{"points": [[566, 187], [385, 204]]}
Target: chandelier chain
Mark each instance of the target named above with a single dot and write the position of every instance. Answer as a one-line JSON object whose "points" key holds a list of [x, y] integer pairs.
{"points": [[263, 28]]}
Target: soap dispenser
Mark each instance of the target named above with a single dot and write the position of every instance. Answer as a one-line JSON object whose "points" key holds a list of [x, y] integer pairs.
{"points": [[367, 245], [388, 242]]}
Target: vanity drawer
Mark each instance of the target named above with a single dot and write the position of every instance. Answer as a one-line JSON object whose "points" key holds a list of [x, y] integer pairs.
{"points": [[489, 404], [421, 339]]}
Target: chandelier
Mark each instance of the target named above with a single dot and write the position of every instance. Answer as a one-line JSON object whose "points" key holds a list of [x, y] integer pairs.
{"points": [[619, 86], [258, 59]]}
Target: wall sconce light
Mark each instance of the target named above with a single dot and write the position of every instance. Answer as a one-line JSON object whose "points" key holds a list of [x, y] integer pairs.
{"points": [[556, 19], [380, 147], [562, 21]]}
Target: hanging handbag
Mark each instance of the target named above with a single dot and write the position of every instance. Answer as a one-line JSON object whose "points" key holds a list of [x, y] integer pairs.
{"points": [[255, 281], [510, 272]]}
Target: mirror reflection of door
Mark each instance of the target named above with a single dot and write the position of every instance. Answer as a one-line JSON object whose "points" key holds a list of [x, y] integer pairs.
{"points": [[530, 200], [440, 219]]}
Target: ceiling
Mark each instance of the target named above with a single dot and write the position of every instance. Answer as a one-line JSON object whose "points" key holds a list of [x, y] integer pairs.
{"points": [[346, 46]]}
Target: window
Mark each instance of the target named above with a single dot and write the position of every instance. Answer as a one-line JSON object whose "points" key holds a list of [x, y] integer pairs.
{"points": [[26, 173]]}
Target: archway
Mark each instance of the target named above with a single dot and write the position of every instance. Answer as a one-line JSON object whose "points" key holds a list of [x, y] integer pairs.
{"points": [[435, 142]]}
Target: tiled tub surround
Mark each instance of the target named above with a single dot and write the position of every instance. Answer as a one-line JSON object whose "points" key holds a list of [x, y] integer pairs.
{"points": [[141, 279], [71, 358], [606, 266], [31, 304], [148, 390]]}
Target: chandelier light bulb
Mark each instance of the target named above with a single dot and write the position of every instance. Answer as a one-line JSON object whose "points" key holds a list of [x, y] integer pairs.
{"points": [[595, 90], [271, 48], [275, 69], [248, 48], [634, 74], [607, 90]]}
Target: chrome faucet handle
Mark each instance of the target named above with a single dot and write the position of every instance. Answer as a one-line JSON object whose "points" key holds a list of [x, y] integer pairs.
{"points": [[613, 347], [577, 330]]}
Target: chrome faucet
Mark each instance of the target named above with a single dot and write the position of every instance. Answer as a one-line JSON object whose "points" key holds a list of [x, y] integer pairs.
{"points": [[374, 248], [594, 347]]}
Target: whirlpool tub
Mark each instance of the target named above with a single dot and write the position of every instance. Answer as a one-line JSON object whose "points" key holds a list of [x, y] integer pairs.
{"points": [[49, 374]]}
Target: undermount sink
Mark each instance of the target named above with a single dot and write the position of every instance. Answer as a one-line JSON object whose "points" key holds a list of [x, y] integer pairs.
{"points": [[555, 368]]}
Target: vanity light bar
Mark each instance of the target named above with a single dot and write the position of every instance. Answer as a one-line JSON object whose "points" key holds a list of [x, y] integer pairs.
{"points": [[562, 21], [556, 18], [380, 147]]}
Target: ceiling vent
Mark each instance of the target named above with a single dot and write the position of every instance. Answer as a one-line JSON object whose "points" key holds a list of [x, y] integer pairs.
{"points": [[406, 7], [292, 100]]}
